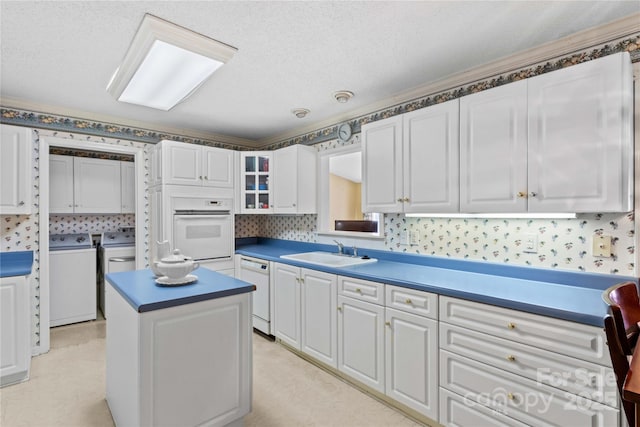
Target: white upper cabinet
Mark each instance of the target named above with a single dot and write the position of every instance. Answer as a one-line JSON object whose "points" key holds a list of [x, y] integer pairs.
{"points": [[558, 142], [61, 184], [189, 164], [410, 162], [580, 138], [382, 166], [16, 150], [294, 180], [84, 185], [493, 150], [128, 186], [255, 182], [431, 159], [96, 185]]}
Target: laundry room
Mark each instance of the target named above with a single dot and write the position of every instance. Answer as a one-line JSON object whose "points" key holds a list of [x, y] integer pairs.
{"points": [[91, 228]]}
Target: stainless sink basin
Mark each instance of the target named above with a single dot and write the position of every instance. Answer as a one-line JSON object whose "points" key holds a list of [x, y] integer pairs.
{"points": [[328, 259]]}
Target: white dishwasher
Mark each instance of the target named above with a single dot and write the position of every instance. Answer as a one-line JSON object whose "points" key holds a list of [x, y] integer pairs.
{"points": [[256, 272], [72, 279]]}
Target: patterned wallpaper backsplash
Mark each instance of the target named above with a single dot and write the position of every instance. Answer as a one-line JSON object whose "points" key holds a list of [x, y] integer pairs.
{"points": [[94, 224], [562, 243]]}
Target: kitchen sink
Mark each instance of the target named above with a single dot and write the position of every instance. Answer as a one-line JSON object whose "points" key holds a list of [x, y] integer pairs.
{"points": [[329, 259]]}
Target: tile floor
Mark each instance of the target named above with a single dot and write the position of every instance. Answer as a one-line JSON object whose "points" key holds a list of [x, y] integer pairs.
{"points": [[67, 388]]}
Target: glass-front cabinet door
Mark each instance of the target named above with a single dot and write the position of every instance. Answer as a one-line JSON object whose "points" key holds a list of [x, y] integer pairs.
{"points": [[255, 185]]}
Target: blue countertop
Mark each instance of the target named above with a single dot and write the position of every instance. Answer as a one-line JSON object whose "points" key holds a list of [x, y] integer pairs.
{"points": [[143, 294], [573, 296], [16, 263]]}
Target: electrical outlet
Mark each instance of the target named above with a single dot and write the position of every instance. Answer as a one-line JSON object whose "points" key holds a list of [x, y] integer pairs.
{"points": [[414, 238], [530, 243], [404, 237], [601, 246]]}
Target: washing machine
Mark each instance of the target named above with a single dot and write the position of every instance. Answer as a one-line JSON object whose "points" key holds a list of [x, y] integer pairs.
{"points": [[117, 253], [72, 278]]}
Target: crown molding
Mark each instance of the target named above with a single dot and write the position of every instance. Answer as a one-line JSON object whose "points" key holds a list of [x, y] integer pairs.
{"points": [[85, 115], [570, 44]]}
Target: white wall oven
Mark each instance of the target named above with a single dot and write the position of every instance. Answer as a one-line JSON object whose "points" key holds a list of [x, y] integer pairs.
{"points": [[203, 230]]}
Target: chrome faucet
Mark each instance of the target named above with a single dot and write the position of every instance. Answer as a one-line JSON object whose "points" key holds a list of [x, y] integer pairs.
{"points": [[340, 246]]}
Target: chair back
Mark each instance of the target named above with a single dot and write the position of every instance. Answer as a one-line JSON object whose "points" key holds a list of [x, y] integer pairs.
{"points": [[624, 296], [620, 364]]}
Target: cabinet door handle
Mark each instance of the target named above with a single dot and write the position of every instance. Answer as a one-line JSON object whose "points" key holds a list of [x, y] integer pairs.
{"points": [[339, 308], [533, 194], [200, 177], [522, 195], [206, 178], [302, 280], [388, 323], [294, 205], [406, 199], [511, 358], [511, 325], [70, 206], [21, 203], [400, 199]]}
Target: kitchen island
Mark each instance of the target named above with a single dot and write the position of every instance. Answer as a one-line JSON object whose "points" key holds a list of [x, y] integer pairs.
{"points": [[178, 355]]}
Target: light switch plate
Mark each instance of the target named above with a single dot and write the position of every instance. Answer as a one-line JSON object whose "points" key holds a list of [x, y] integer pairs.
{"points": [[414, 238], [530, 243], [601, 246]]}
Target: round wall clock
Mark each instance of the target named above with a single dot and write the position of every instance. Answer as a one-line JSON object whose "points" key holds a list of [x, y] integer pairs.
{"points": [[344, 132]]}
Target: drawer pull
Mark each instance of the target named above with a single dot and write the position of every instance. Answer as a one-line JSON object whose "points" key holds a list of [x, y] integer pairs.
{"points": [[511, 325], [511, 358], [358, 290], [408, 301]]}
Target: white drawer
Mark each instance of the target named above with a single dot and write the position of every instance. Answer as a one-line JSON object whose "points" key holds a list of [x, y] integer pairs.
{"points": [[362, 290], [561, 336], [521, 398], [456, 411], [566, 373], [412, 301]]}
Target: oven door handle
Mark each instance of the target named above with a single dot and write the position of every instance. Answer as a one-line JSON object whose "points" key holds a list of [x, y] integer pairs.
{"points": [[200, 216], [122, 259]]}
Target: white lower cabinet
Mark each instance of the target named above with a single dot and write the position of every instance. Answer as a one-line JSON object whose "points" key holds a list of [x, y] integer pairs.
{"points": [[458, 411], [361, 341], [15, 325], [305, 311], [534, 369], [411, 361]]}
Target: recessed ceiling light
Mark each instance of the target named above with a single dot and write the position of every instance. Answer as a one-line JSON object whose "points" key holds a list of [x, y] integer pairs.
{"points": [[343, 96], [165, 64], [300, 113]]}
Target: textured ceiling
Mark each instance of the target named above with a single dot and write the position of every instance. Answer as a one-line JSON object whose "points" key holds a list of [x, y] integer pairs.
{"points": [[290, 54]]}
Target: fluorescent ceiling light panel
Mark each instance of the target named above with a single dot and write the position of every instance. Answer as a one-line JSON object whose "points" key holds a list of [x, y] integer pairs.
{"points": [[165, 64]]}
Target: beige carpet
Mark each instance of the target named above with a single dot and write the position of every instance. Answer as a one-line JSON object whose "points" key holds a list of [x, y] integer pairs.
{"points": [[67, 388]]}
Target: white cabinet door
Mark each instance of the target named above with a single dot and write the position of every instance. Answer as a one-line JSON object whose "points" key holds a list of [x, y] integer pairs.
{"points": [[294, 180], [411, 361], [493, 150], [431, 158], [217, 167], [128, 186], [580, 144], [361, 341], [96, 185], [15, 325], [287, 304], [182, 163], [255, 183], [16, 150], [61, 184], [382, 166], [319, 316]]}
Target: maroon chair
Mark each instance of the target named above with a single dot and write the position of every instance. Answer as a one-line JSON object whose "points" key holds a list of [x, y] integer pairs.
{"points": [[624, 296], [620, 364]]}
